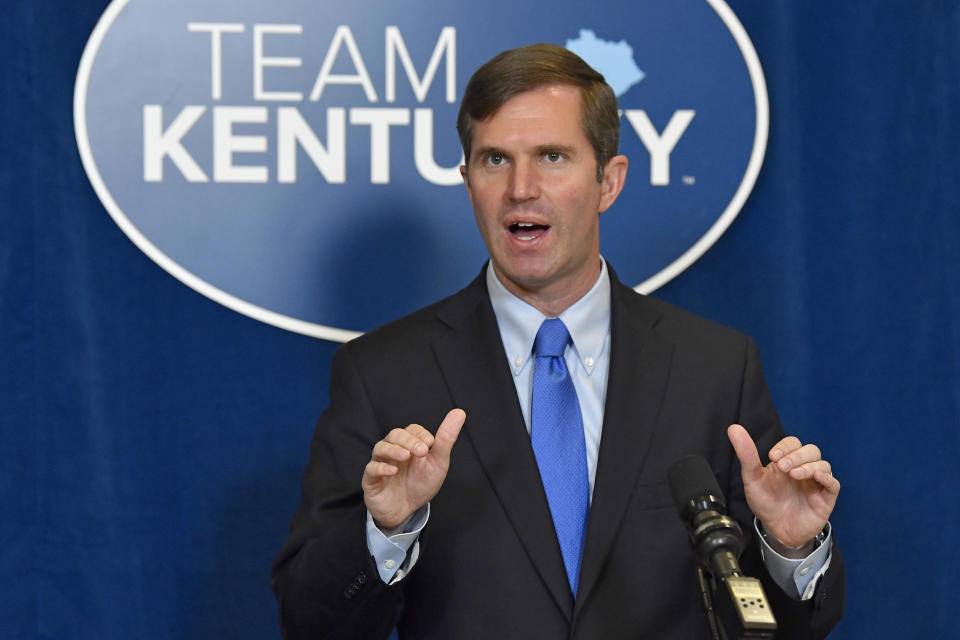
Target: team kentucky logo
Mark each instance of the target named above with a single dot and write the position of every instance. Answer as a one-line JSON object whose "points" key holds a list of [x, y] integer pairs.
{"points": [[298, 161]]}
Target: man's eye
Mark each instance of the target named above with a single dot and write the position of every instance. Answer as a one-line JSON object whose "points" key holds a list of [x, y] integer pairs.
{"points": [[553, 156], [495, 159]]}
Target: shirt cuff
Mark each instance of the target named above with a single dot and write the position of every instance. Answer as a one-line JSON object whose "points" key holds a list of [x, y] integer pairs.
{"points": [[393, 554], [797, 577]]}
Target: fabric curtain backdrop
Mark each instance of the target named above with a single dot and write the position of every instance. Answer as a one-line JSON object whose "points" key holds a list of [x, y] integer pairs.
{"points": [[152, 440]]}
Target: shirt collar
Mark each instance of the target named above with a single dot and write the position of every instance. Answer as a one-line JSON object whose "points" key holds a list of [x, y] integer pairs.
{"points": [[587, 319]]}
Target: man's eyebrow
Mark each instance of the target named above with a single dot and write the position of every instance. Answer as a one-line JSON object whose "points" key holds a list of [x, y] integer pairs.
{"points": [[538, 150], [486, 151]]}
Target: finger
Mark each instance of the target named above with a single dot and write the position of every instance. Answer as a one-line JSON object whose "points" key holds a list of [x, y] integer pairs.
{"points": [[826, 480], [808, 469], [375, 470], [783, 447], [447, 433], [797, 457], [385, 451], [407, 440], [746, 451], [421, 434]]}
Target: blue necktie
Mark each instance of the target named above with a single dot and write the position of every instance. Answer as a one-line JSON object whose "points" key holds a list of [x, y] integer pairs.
{"points": [[556, 431]]}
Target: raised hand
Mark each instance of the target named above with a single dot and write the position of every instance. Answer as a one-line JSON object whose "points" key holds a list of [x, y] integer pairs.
{"points": [[407, 469], [792, 496]]}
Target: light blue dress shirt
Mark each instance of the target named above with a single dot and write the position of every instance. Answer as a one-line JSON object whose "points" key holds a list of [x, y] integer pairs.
{"points": [[588, 360], [587, 357]]}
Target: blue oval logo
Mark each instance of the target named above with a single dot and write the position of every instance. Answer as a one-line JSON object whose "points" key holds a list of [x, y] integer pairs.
{"points": [[299, 163]]}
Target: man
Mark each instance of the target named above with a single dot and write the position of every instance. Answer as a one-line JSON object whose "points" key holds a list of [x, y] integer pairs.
{"points": [[549, 515]]}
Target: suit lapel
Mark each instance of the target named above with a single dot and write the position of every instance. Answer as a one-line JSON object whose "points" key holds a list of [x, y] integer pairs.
{"points": [[639, 370], [473, 363]]}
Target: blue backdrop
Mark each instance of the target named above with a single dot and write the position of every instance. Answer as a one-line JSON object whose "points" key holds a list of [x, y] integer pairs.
{"points": [[152, 440]]}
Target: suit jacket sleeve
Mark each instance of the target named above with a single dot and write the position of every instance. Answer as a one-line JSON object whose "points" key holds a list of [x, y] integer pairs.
{"points": [[813, 618], [324, 578]]}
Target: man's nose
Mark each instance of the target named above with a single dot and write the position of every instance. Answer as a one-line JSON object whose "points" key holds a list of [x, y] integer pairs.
{"points": [[524, 181]]}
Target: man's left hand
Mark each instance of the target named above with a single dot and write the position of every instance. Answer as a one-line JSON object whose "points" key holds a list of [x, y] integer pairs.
{"points": [[792, 496]]}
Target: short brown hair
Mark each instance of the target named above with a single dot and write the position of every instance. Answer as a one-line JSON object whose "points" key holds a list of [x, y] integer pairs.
{"points": [[517, 71]]}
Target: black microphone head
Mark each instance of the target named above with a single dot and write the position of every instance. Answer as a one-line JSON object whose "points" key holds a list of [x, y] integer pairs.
{"points": [[717, 538], [691, 478]]}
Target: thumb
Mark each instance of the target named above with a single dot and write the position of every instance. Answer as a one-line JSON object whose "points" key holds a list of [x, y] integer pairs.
{"points": [[447, 433], [746, 451]]}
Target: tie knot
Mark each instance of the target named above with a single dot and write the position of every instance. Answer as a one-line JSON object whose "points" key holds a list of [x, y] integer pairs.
{"points": [[552, 338]]}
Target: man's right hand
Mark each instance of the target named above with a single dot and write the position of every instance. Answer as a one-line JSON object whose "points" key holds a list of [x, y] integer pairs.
{"points": [[407, 469]]}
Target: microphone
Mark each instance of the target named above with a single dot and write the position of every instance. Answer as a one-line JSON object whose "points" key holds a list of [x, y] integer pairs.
{"points": [[718, 541]]}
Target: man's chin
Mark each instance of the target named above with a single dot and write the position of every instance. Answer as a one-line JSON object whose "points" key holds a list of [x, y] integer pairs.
{"points": [[536, 288], [526, 277]]}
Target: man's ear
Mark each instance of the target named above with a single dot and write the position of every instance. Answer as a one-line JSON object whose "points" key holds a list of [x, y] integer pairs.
{"points": [[614, 175], [465, 176]]}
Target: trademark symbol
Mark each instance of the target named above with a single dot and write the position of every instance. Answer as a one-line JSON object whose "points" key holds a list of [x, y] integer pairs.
{"points": [[689, 180]]}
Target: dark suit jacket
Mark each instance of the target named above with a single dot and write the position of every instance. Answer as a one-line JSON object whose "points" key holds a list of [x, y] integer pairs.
{"points": [[490, 565]]}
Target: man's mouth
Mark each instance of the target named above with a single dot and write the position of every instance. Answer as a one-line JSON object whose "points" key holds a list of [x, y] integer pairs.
{"points": [[527, 230]]}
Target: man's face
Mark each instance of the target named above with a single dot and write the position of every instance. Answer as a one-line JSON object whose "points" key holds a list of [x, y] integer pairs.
{"points": [[532, 181]]}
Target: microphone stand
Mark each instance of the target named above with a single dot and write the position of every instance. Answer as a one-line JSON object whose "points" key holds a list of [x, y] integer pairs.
{"points": [[706, 599]]}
